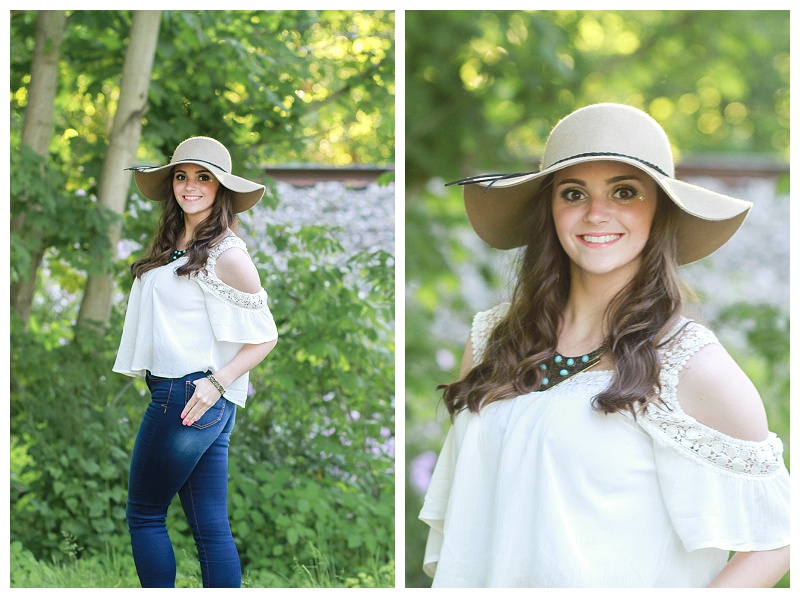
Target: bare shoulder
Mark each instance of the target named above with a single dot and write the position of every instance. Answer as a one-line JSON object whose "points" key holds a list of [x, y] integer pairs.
{"points": [[235, 268], [715, 391]]}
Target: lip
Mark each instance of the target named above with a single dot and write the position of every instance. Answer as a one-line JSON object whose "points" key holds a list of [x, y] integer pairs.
{"points": [[599, 239], [191, 197]]}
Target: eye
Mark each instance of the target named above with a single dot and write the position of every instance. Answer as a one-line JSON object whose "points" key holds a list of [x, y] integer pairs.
{"points": [[625, 193], [572, 195], [179, 176]]}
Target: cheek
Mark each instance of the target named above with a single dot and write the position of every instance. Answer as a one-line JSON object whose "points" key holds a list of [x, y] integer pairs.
{"points": [[646, 219], [639, 227], [564, 220]]}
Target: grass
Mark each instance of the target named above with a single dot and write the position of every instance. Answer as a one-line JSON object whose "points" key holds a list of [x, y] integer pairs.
{"points": [[114, 570]]}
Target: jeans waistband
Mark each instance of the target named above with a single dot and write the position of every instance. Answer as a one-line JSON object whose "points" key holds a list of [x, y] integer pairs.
{"points": [[187, 378]]}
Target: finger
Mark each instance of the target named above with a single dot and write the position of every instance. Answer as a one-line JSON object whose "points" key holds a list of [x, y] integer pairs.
{"points": [[202, 400], [190, 405], [193, 416], [193, 401], [195, 409], [194, 412]]}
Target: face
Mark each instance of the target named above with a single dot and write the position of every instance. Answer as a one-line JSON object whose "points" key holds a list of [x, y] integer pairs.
{"points": [[195, 189], [600, 220]]}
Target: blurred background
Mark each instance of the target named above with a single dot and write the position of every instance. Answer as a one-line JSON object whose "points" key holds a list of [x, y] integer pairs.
{"points": [[304, 101], [483, 90]]}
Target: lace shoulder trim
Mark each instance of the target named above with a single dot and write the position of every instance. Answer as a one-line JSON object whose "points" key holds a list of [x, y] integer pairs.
{"points": [[210, 281], [685, 339], [221, 247], [667, 423], [711, 448], [483, 324]]}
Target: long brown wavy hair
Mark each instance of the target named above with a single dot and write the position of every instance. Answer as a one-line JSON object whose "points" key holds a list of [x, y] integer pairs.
{"points": [[171, 227], [637, 318]]}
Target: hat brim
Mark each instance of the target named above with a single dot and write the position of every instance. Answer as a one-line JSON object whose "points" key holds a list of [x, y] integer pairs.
{"points": [[497, 210], [246, 194]]}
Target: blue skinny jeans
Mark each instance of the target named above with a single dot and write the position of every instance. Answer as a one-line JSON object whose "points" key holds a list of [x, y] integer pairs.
{"points": [[191, 461]]}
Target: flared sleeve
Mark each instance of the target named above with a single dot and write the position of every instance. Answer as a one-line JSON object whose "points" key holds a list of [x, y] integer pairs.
{"points": [[130, 330], [235, 316], [719, 491], [436, 499]]}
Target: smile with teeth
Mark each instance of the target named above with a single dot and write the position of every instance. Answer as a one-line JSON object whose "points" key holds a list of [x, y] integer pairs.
{"points": [[191, 197], [600, 239]]}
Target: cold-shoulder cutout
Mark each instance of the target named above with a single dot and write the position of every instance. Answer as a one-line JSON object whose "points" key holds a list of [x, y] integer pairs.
{"points": [[210, 281], [676, 429], [715, 391], [235, 268]]}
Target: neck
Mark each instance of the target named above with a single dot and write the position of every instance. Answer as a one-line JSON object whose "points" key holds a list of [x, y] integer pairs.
{"points": [[584, 327], [189, 226]]}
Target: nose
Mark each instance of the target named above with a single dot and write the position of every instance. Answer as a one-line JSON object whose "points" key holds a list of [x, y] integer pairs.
{"points": [[597, 209]]}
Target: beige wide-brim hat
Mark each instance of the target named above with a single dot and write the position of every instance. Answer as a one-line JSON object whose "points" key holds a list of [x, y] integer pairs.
{"points": [[497, 204], [207, 152]]}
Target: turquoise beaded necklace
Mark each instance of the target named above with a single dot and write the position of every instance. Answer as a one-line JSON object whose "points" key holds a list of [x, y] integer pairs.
{"points": [[559, 368], [177, 253]]}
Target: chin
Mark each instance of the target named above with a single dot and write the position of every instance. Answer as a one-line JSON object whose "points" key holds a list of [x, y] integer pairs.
{"points": [[608, 269]]}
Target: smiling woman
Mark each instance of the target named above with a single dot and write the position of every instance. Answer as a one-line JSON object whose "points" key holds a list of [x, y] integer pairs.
{"points": [[590, 412], [197, 322]]}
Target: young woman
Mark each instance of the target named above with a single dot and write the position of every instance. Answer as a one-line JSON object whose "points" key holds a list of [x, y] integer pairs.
{"points": [[197, 323], [600, 438]]}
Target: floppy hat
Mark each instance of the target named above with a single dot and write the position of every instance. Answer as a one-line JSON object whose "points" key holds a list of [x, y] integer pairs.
{"points": [[496, 204], [206, 152]]}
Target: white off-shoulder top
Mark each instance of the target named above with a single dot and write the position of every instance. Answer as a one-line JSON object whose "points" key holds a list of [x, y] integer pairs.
{"points": [[176, 325], [544, 491]]}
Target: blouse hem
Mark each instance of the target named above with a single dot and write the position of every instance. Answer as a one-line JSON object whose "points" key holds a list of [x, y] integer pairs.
{"points": [[738, 547]]}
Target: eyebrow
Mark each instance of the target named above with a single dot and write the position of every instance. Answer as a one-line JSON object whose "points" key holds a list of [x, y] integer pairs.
{"points": [[613, 179], [197, 171]]}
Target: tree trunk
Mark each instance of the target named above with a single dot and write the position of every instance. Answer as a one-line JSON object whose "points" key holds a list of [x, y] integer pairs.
{"points": [[36, 132], [123, 141]]}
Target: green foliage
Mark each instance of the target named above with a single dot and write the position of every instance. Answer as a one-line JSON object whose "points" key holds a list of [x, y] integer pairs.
{"points": [[109, 570], [116, 570], [274, 86], [320, 426], [54, 217], [77, 436]]}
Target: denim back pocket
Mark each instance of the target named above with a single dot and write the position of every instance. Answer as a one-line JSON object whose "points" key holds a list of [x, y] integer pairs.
{"points": [[210, 417]]}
